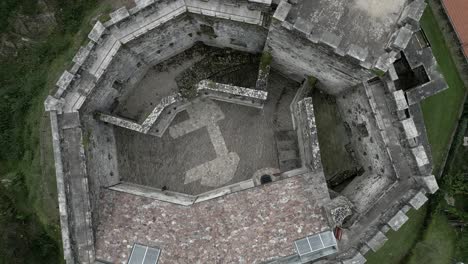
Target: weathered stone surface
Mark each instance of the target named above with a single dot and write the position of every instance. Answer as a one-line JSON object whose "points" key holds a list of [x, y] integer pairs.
{"points": [[400, 100], [230, 91], [377, 241], [420, 156], [63, 82], [418, 200], [429, 183], [340, 208], [410, 128], [357, 259], [282, 10], [402, 38], [119, 15], [398, 220], [96, 32]]}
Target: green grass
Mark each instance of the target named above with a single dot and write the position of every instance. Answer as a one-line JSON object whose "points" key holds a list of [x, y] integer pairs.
{"points": [[438, 244], [441, 114], [396, 249], [29, 224], [441, 111]]}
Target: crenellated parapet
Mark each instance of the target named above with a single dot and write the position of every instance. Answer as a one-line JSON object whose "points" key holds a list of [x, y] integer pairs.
{"points": [[107, 39], [338, 28]]}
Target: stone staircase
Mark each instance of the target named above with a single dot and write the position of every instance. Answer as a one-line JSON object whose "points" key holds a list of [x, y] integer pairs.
{"points": [[288, 151]]}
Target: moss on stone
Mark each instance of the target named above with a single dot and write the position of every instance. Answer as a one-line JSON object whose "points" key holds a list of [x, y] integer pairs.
{"points": [[265, 60], [378, 72]]}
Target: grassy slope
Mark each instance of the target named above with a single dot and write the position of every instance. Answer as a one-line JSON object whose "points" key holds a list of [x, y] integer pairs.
{"points": [[441, 111], [395, 250], [37, 164], [440, 114]]}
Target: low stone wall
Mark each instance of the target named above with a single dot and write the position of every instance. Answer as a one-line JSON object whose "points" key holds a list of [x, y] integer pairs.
{"points": [[172, 101], [180, 198], [307, 131], [237, 26], [61, 191], [232, 94]]}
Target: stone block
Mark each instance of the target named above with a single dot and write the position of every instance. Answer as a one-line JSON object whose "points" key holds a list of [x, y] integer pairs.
{"points": [[53, 104], [420, 155], [119, 15], [400, 100], [418, 200], [357, 52], [410, 128], [377, 241], [96, 32], [331, 39], [63, 82], [398, 220], [429, 183], [385, 61], [402, 38], [302, 25], [413, 13], [143, 3], [393, 74], [357, 259], [83, 53], [282, 11]]}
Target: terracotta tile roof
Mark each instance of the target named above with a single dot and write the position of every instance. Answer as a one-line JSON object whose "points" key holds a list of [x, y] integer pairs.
{"points": [[250, 226], [457, 10]]}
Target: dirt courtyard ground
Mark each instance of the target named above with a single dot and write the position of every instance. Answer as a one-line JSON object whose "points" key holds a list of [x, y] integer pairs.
{"points": [[231, 143]]}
